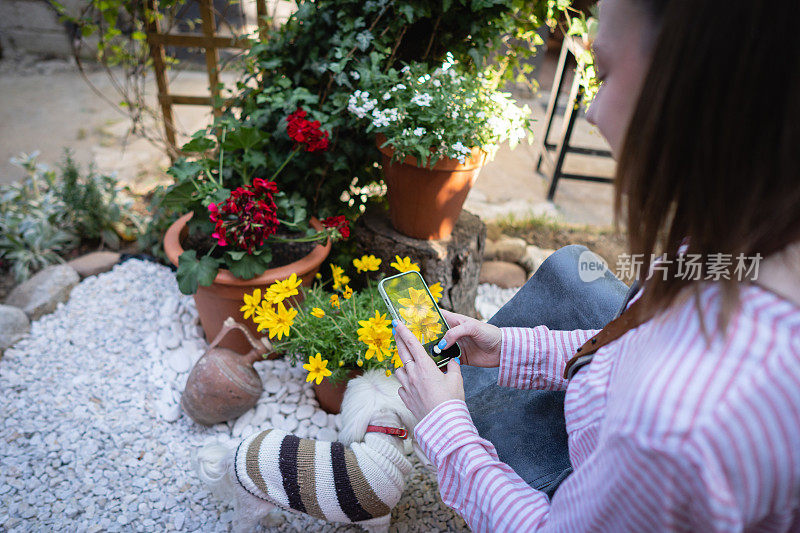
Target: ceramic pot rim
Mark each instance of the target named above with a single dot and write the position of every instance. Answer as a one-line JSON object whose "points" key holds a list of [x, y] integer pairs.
{"points": [[174, 249]]}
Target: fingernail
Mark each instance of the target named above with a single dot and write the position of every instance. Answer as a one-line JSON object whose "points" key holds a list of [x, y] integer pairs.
{"points": [[458, 360], [442, 344]]}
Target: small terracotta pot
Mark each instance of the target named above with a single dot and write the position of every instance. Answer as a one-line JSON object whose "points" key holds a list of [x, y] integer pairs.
{"points": [[224, 297], [330, 396], [223, 385], [425, 203]]}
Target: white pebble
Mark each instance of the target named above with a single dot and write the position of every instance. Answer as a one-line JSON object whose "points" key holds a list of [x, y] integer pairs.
{"points": [[303, 412]]}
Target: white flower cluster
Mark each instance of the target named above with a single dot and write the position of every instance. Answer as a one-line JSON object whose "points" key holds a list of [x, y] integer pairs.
{"points": [[385, 117], [462, 152], [419, 132], [360, 104], [422, 99]]}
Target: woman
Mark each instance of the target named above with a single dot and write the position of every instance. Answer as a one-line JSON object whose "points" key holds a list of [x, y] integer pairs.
{"points": [[688, 415]]}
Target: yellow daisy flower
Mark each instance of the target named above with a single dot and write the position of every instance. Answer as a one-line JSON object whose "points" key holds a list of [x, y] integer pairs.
{"points": [[317, 368], [251, 302], [341, 363], [279, 321], [347, 293], [436, 291], [367, 263], [378, 322], [404, 264], [282, 289], [416, 306], [339, 279], [396, 361], [379, 345], [360, 362], [335, 300], [388, 372], [317, 312], [265, 314]]}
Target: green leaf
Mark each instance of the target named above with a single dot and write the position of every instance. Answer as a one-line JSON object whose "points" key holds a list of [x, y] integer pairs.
{"points": [[138, 36], [192, 272], [250, 266], [199, 144], [235, 254], [255, 159]]}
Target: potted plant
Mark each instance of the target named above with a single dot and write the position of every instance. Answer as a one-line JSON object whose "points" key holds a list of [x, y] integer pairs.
{"points": [[338, 333], [435, 128], [241, 231]]}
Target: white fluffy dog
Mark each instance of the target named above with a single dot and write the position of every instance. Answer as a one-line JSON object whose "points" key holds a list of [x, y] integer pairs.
{"points": [[358, 479]]}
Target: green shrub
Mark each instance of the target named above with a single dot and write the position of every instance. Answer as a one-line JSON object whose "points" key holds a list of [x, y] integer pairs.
{"points": [[46, 215]]}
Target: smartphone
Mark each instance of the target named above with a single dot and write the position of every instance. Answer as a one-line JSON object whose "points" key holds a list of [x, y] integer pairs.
{"points": [[409, 301]]}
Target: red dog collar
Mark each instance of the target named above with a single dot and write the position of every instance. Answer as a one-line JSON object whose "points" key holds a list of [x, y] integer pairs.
{"points": [[397, 432]]}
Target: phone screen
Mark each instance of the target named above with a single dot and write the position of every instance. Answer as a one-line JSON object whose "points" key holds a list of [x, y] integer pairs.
{"points": [[413, 304]]}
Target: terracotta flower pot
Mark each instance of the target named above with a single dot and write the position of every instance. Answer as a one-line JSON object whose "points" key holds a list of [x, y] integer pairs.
{"points": [[425, 203], [329, 395], [224, 297]]}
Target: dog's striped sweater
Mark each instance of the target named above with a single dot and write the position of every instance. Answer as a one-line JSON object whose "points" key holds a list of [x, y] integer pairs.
{"points": [[323, 479]]}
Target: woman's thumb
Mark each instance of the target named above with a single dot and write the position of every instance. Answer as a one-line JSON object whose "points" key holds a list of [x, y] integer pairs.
{"points": [[453, 334]]}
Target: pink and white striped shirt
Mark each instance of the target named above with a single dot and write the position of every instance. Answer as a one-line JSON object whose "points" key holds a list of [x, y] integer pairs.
{"points": [[665, 432]]}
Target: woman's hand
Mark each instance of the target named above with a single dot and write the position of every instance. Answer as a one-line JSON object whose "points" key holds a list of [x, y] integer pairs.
{"points": [[479, 341], [424, 386]]}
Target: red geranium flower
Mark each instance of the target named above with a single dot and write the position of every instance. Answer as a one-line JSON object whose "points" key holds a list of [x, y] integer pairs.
{"points": [[339, 223], [306, 132], [247, 217]]}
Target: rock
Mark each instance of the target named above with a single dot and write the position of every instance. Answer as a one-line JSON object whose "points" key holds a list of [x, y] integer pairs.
{"points": [[14, 324], [262, 413], [285, 423], [510, 249], [303, 412], [534, 257], [242, 422], [320, 418], [327, 434], [273, 385], [454, 262], [169, 412], [287, 408], [169, 308], [94, 263], [503, 274], [167, 340], [179, 360], [41, 294]]}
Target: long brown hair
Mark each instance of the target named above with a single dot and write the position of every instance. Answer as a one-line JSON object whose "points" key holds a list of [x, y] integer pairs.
{"points": [[712, 151]]}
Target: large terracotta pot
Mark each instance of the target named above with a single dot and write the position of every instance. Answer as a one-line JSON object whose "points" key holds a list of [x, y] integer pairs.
{"points": [[425, 203], [330, 396], [223, 298]]}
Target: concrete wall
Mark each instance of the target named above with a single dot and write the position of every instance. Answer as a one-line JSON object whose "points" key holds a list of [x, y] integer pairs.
{"points": [[32, 27]]}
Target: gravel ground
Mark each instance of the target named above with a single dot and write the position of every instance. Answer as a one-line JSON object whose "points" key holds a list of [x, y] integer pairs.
{"points": [[491, 298], [92, 437]]}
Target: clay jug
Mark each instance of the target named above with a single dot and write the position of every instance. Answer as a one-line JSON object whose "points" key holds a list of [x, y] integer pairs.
{"points": [[223, 384]]}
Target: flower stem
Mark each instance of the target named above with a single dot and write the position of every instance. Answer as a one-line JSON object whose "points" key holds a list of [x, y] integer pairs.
{"points": [[291, 155]]}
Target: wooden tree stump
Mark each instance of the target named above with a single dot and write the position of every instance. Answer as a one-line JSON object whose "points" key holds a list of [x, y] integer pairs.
{"points": [[454, 262]]}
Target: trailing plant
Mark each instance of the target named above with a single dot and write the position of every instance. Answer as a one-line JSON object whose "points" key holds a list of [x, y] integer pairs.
{"points": [[431, 113]]}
